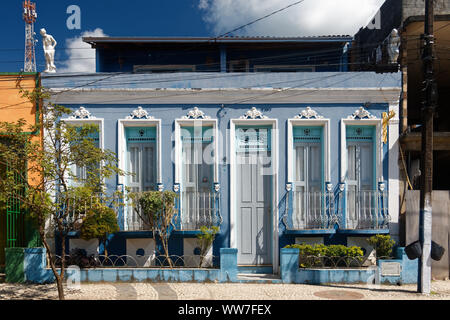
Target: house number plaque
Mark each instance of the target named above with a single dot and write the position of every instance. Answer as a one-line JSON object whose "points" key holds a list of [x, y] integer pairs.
{"points": [[391, 269]]}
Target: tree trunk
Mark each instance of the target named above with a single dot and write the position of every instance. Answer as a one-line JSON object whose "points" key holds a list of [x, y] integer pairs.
{"points": [[52, 264], [104, 247], [165, 244]]}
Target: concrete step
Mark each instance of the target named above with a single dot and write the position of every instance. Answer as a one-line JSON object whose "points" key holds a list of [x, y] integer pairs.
{"points": [[258, 278]]}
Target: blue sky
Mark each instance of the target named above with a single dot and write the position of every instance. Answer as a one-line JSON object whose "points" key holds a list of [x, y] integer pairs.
{"points": [[169, 18], [115, 17]]}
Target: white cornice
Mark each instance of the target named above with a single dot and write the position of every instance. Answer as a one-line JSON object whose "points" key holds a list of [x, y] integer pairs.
{"points": [[224, 96]]}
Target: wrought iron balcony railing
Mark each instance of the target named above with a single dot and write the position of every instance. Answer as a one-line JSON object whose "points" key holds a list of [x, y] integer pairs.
{"points": [[310, 210], [363, 209], [197, 209]]}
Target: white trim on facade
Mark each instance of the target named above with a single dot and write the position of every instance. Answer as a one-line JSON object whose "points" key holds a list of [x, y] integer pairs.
{"points": [[121, 151], [195, 117], [81, 117], [89, 120], [394, 172], [121, 144], [371, 121], [224, 96], [275, 155], [325, 123]]}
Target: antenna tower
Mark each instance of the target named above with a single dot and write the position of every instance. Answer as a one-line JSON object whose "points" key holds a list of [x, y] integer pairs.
{"points": [[29, 16]]}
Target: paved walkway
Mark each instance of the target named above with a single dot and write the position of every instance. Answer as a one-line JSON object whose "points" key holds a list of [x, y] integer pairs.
{"points": [[229, 291]]}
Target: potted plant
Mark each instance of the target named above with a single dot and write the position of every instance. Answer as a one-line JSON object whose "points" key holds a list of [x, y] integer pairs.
{"points": [[383, 245], [157, 210], [100, 221], [205, 240]]}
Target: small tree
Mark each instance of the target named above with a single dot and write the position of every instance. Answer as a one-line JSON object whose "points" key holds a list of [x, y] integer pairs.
{"points": [[382, 244], [205, 240], [157, 210], [99, 222], [39, 171]]}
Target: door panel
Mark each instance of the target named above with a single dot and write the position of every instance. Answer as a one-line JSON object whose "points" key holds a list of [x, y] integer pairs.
{"points": [[141, 162], [246, 231], [197, 182], [360, 183], [308, 175], [254, 187]]}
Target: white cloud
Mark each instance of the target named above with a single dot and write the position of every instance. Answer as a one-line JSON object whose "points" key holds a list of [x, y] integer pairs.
{"points": [[309, 18], [203, 4], [81, 57]]}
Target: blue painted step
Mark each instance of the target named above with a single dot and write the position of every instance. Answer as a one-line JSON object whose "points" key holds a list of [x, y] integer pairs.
{"points": [[255, 269], [258, 278]]}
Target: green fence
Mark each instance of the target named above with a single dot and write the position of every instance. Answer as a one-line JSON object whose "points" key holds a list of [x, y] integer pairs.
{"points": [[12, 222]]}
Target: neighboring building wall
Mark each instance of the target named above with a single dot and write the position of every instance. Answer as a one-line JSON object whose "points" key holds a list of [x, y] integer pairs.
{"points": [[440, 270], [417, 8], [12, 108], [13, 105], [240, 54], [367, 40]]}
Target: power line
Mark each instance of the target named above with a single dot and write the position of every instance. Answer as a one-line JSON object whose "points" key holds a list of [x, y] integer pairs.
{"points": [[177, 94], [259, 19]]}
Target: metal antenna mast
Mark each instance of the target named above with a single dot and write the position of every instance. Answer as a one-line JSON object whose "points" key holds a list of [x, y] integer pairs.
{"points": [[29, 16]]}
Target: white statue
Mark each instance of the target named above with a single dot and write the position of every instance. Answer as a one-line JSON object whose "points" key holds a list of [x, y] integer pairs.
{"points": [[394, 46], [49, 44]]}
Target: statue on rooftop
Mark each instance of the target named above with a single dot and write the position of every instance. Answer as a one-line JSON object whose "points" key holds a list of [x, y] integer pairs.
{"points": [[49, 44], [394, 46]]}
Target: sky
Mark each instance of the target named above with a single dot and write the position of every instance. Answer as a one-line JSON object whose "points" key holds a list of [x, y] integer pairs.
{"points": [[168, 18]]}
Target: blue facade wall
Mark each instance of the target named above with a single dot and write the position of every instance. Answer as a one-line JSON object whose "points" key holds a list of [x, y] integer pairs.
{"points": [[168, 113], [282, 112], [291, 273]]}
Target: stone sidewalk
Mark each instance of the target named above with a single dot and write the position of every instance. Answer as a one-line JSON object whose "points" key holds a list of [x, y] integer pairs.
{"points": [[227, 291]]}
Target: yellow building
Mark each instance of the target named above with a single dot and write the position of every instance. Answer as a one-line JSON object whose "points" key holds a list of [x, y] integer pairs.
{"points": [[15, 229]]}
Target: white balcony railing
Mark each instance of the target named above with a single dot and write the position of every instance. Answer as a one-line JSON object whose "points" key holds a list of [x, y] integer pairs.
{"points": [[197, 209], [366, 210], [310, 210]]}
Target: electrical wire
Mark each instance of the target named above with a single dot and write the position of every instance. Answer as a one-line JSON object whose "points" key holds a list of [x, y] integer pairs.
{"points": [[259, 19]]}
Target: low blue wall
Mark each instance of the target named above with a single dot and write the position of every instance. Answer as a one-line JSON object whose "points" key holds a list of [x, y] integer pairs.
{"points": [[291, 273], [36, 271]]}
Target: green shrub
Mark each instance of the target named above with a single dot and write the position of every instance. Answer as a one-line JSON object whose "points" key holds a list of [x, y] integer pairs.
{"points": [[157, 210], [205, 240], [322, 250], [320, 255], [99, 222], [382, 244]]}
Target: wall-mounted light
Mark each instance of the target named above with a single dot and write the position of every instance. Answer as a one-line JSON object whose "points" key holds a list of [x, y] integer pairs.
{"points": [[160, 187], [329, 186], [216, 187], [342, 187], [382, 186], [176, 187]]}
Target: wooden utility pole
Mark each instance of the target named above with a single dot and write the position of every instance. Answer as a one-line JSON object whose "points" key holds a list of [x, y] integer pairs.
{"points": [[425, 217]]}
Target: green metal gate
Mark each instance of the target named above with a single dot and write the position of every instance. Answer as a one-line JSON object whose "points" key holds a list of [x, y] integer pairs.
{"points": [[12, 222], [15, 220]]}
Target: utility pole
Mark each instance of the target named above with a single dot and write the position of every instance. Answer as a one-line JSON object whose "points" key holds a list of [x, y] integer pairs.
{"points": [[425, 217]]}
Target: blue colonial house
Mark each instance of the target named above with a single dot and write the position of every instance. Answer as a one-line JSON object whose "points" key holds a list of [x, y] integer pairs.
{"points": [[271, 139]]}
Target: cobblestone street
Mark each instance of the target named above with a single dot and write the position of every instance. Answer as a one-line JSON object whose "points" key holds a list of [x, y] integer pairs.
{"points": [[233, 291]]}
